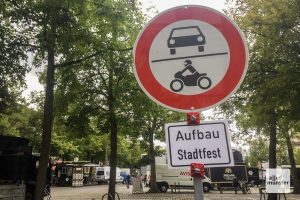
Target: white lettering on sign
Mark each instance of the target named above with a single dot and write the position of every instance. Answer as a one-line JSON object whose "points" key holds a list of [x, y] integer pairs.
{"points": [[207, 143]]}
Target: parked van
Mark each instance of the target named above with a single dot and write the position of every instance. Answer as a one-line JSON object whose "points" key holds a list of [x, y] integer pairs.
{"points": [[119, 178], [89, 172], [103, 174], [179, 177]]}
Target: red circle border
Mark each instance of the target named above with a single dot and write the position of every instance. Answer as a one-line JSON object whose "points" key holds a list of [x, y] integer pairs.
{"points": [[233, 77]]}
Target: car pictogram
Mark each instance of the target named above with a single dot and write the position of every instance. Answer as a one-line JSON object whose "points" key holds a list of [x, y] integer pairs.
{"points": [[184, 37]]}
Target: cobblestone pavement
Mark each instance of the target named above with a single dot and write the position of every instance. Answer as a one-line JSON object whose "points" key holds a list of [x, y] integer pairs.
{"points": [[97, 191]]}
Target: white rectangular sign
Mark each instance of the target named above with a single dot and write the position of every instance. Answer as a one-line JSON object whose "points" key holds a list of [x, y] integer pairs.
{"points": [[278, 180], [208, 143]]}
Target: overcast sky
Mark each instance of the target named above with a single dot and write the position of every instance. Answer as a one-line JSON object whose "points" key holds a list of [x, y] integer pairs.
{"points": [[162, 5]]}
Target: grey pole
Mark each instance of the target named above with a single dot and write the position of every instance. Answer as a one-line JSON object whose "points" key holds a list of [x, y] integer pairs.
{"points": [[198, 188]]}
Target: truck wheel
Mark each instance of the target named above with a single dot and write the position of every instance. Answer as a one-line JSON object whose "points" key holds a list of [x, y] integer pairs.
{"points": [[163, 187], [206, 187]]}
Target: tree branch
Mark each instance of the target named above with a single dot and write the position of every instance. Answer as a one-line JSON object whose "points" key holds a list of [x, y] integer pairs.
{"points": [[95, 91], [79, 60], [90, 56], [103, 80], [26, 45]]}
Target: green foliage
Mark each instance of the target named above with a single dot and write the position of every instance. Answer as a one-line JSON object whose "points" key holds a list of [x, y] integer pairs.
{"points": [[94, 77], [89, 91], [129, 152], [6, 127], [22, 122], [258, 152], [271, 87], [13, 57], [297, 156]]}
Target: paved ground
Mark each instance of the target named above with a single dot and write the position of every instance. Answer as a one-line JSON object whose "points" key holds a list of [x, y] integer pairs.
{"points": [[96, 192]]}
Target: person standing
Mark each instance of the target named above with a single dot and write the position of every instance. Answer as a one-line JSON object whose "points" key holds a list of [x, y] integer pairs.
{"points": [[236, 185], [128, 180], [145, 180]]}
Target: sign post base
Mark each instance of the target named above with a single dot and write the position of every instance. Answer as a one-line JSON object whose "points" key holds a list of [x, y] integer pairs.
{"points": [[198, 188]]}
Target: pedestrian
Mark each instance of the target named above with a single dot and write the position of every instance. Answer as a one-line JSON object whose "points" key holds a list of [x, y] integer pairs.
{"points": [[124, 179], [145, 180], [128, 180], [235, 184]]}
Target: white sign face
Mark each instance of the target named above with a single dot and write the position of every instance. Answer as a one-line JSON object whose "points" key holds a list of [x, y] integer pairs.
{"points": [[208, 143], [278, 181], [210, 60]]}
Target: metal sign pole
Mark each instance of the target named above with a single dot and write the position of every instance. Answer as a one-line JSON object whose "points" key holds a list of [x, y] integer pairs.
{"points": [[198, 188], [197, 172], [197, 169]]}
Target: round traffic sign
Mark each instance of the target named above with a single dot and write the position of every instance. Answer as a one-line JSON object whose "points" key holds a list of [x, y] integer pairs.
{"points": [[190, 57]]}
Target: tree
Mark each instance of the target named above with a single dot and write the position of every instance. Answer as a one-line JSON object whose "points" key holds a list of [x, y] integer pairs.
{"points": [[270, 88], [48, 28], [104, 77], [13, 58], [258, 151], [150, 119], [129, 151], [64, 33], [297, 156], [287, 133]]}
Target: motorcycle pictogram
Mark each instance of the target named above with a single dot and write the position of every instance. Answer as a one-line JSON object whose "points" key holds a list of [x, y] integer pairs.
{"points": [[194, 78]]}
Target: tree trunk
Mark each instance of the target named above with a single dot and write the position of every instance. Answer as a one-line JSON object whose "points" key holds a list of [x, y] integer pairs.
{"points": [[153, 184], [48, 117], [113, 136], [106, 155], [272, 149], [113, 157], [293, 164]]}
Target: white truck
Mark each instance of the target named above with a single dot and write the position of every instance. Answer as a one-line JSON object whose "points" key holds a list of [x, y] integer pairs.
{"points": [[103, 174], [179, 177]]}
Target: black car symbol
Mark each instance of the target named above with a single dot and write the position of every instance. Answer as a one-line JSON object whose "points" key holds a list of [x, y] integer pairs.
{"points": [[186, 36]]}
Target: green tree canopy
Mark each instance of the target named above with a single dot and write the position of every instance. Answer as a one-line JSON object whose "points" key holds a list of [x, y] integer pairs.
{"points": [[271, 88]]}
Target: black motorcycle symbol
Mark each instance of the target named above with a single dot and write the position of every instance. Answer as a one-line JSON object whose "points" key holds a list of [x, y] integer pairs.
{"points": [[194, 78]]}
